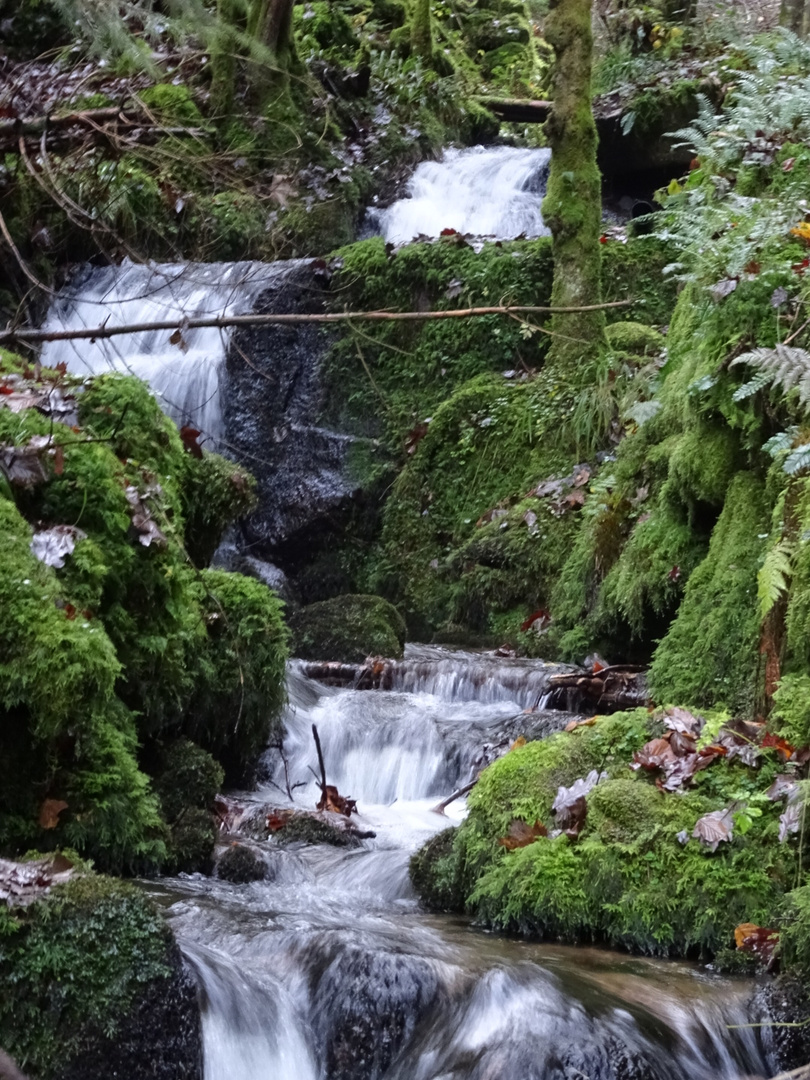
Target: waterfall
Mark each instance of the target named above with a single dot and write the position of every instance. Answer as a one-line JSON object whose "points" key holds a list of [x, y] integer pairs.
{"points": [[483, 191], [481, 677], [328, 970], [185, 371]]}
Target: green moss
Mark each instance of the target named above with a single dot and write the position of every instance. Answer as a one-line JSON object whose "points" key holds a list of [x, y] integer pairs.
{"points": [[347, 628], [172, 103], [240, 687], [73, 966], [214, 493], [708, 657], [636, 338], [628, 879], [305, 829]]}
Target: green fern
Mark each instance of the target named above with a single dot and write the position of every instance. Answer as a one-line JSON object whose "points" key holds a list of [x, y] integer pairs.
{"points": [[784, 366], [774, 576]]}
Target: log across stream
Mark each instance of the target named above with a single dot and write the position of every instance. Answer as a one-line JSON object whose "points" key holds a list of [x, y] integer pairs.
{"points": [[329, 970]]}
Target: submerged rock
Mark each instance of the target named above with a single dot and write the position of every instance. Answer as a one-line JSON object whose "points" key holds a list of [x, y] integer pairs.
{"points": [[239, 865]]}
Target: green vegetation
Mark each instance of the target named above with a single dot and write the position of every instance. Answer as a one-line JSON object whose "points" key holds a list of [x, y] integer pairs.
{"points": [[74, 964], [348, 629], [119, 645], [634, 877]]}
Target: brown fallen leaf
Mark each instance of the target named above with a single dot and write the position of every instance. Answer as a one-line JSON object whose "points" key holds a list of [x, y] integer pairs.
{"points": [[715, 828], [331, 799], [521, 835], [757, 940], [49, 813]]}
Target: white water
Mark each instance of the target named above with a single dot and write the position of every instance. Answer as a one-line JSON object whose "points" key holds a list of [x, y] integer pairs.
{"points": [[482, 191], [330, 971], [184, 376]]}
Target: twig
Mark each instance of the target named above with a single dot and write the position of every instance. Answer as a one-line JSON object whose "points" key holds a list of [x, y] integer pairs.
{"points": [[317, 739], [20, 260], [442, 806], [221, 321]]}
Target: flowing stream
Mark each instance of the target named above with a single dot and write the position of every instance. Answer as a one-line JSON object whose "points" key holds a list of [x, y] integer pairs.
{"points": [[482, 191], [329, 970]]}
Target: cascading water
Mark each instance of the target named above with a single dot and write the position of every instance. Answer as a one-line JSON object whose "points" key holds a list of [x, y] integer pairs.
{"points": [[328, 970], [483, 191], [185, 371]]}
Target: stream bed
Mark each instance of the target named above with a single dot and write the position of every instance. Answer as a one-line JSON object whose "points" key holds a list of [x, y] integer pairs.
{"points": [[329, 969]]}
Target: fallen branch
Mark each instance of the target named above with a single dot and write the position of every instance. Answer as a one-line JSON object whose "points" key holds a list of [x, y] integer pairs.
{"points": [[442, 806], [36, 125], [317, 739], [224, 321]]}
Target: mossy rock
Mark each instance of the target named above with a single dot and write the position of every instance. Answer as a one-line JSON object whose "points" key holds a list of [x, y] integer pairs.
{"points": [[348, 629], [635, 338], [94, 985], [436, 875], [240, 865], [305, 829], [633, 877]]}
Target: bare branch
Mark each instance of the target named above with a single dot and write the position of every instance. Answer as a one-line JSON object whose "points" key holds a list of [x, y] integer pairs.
{"points": [[222, 321]]}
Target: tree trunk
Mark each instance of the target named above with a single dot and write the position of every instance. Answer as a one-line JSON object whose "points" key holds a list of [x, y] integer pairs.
{"points": [[270, 24], [223, 60], [795, 15], [421, 32], [572, 208]]}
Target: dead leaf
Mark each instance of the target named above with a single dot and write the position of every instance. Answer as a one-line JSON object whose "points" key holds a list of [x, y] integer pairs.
{"points": [[178, 340], [49, 813], [190, 435], [757, 940], [724, 288], [715, 828], [332, 800], [142, 520], [570, 805], [22, 883], [782, 746], [52, 546], [521, 835], [790, 820], [538, 621], [684, 721], [653, 755], [25, 466]]}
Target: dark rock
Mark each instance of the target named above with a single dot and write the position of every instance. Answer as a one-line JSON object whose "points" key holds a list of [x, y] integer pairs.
{"points": [[239, 865], [306, 829], [273, 401], [348, 629], [159, 1039], [782, 1001], [366, 1007]]}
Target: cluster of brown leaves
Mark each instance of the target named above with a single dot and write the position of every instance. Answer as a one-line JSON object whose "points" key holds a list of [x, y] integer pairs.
{"points": [[142, 521], [332, 800], [565, 492], [757, 940], [570, 809]]}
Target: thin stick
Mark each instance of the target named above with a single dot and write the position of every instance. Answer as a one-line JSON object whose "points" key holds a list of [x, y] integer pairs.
{"points": [[20, 260], [221, 321], [317, 739], [442, 806]]}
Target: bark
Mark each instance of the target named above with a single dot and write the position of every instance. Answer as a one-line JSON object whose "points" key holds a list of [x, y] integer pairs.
{"points": [[572, 208], [223, 59], [270, 25], [421, 31], [795, 15]]}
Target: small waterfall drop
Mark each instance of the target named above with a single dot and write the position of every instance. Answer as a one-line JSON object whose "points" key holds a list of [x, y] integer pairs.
{"points": [[482, 191], [185, 372], [328, 969]]}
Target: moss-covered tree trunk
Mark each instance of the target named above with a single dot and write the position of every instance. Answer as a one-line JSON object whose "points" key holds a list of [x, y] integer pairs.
{"points": [[572, 208], [223, 59], [795, 15], [270, 24], [421, 32]]}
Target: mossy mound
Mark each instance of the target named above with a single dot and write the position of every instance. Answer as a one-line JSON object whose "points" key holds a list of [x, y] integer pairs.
{"points": [[634, 877], [118, 639], [240, 865], [306, 829], [94, 986], [636, 338], [348, 629]]}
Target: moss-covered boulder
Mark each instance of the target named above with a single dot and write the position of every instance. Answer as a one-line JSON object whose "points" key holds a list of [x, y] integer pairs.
{"points": [[348, 629], [114, 644], [635, 876], [94, 985], [240, 865], [636, 338]]}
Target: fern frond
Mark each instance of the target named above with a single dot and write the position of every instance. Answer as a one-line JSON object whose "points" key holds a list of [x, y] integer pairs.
{"points": [[797, 460], [780, 443], [774, 575], [753, 386], [784, 365]]}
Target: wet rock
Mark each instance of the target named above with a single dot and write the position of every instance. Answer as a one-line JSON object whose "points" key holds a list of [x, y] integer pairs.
{"points": [[436, 873], [240, 864], [366, 1008], [273, 399], [348, 629], [159, 1039], [307, 829], [783, 1001]]}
